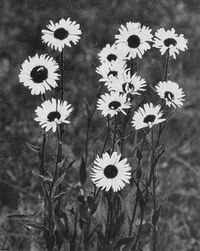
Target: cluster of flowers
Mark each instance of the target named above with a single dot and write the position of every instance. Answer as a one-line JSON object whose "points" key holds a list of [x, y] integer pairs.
{"points": [[41, 73], [132, 41]]}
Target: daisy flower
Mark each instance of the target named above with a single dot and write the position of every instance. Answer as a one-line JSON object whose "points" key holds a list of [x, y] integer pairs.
{"points": [[111, 104], [39, 74], [171, 92], [53, 112], [169, 41], [147, 117], [62, 33], [110, 71], [128, 84], [111, 53], [111, 172], [134, 39]]}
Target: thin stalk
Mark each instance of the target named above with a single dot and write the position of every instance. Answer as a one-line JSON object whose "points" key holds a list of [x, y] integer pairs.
{"points": [[166, 67], [114, 136], [107, 135]]}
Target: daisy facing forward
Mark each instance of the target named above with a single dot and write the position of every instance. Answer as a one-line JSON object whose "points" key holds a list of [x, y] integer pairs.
{"points": [[171, 92], [134, 39], [53, 112], [147, 117], [169, 41], [111, 172], [62, 33], [128, 84], [39, 74], [110, 54], [111, 104]]}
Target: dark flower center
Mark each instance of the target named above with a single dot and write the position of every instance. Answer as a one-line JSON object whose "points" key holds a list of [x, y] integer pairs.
{"points": [[53, 115], [39, 74], [113, 73], [169, 95], [149, 119], [61, 33], [128, 87], [111, 57], [110, 171], [114, 105], [133, 41], [169, 41]]}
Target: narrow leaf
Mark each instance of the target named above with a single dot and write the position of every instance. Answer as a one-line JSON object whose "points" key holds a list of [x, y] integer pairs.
{"points": [[83, 173], [33, 148]]}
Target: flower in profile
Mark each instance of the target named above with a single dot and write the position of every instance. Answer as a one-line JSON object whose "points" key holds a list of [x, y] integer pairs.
{"points": [[53, 112], [39, 74], [134, 39], [171, 92], [128, 84], [147, 117], [111, 104], [111, 172], [110, 54], [62, 33], [169, 41], [110, 71]]}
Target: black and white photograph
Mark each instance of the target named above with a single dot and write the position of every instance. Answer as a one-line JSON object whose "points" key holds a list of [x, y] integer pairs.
{"points": [[99, 125]]}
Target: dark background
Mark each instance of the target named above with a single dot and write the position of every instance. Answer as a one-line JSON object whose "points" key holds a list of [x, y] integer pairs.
{"points": [[20, 36]]}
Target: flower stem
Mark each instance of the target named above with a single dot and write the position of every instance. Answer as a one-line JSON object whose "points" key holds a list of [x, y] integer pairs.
{"points": [[166, 67], [114, 136]]}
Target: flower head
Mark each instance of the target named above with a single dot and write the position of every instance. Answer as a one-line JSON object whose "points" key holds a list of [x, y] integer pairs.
{"points": [[147, 117], [111, 54], [62, 33], [111, 172], [53, 112], [169, 41], [128, 84], [171, 92], [134, 39], [111, 104], [110, 71], [39, 74]]}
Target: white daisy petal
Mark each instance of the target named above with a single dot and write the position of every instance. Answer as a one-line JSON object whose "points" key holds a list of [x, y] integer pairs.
{"points": [[171, 92], [169, 41], [107, 172], [134, 39], [62, 33], [111, 104], [53, 112], [147, 117], [39, 74]]}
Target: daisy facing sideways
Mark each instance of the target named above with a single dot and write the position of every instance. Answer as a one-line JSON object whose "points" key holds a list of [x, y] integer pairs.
{"points": [[39, 74], [111, 104], [53, 112], [169, 41], [128, 84], [62, 33], [171, 92], [147, 117], [110, 71], [110, 172], [134, 39], [110, 54]]}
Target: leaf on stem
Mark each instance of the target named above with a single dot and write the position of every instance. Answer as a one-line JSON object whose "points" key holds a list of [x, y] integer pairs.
{"points": [[33, 148], [82, 171], [156, 216], [44, 178]]}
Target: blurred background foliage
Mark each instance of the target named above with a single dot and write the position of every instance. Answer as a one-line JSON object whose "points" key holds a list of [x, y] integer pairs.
{"points": [[20, 36]]}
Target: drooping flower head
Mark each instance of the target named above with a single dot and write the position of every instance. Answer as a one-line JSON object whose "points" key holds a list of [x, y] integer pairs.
{"points": [[110, 71], [134, 39], [62, 33], [169, 41], [147, 117], [53, 112], [113, 103], [171, 92], [39, 74], [111, 54], [111, 172], [128, 84]]}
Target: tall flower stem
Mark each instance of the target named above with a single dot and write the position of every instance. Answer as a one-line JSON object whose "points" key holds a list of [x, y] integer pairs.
{"points": [[166, 67], [114, 133]]}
